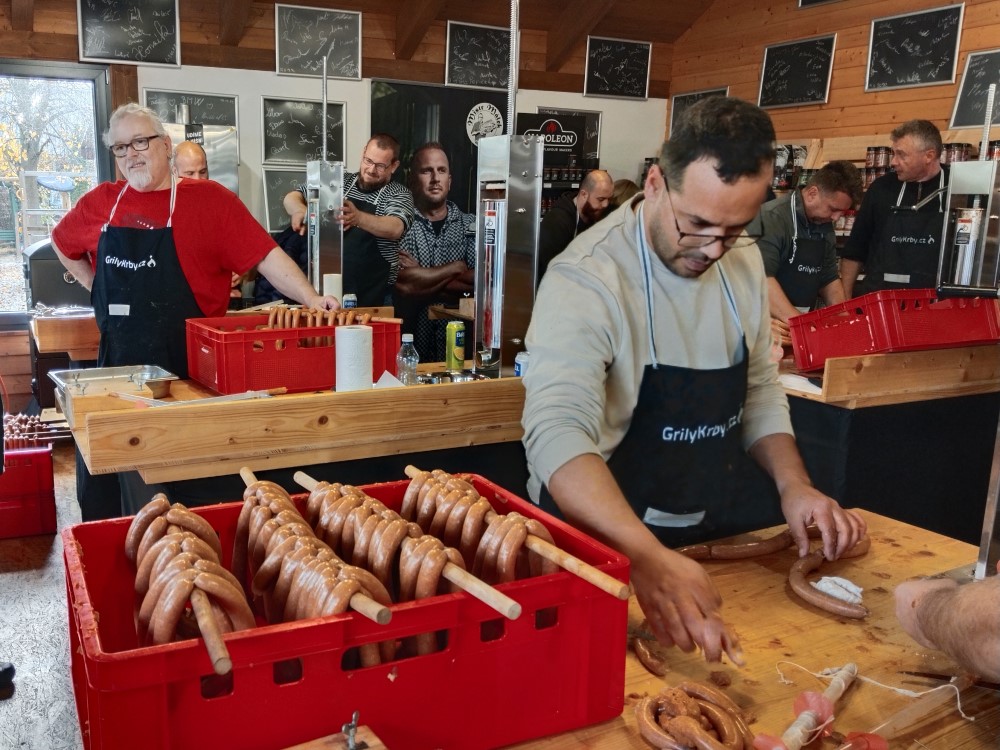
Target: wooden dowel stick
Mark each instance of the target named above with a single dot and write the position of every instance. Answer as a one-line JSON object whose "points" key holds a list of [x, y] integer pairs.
{"points": [[209, 628], [360, 603], [564, 560], [462, 578]]}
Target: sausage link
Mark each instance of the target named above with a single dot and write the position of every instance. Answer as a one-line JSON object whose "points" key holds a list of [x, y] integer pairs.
{"points": [[137, 529], [690, 732], [649, 727], [723, 724], [229, 597], [801, 587], [197, 525], [410, 496], [168, 611]]}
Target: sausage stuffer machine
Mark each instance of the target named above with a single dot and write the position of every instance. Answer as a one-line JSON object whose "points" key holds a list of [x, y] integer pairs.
{"points": [[969, 266]]}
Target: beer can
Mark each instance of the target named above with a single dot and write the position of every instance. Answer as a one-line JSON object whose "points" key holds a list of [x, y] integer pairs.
{"points": [[521, 364], [454, 345], [350, 301]]}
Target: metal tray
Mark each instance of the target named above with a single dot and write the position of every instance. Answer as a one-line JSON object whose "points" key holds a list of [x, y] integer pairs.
{"points": [[100, 380]]}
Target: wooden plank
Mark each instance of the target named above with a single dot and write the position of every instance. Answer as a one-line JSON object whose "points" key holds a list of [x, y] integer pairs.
{"points": [[570, 28], [15, 364], [366, 423], [413, 20], [902, 377], [233, 15], [64, 334], [13, 343], [364, 737]]}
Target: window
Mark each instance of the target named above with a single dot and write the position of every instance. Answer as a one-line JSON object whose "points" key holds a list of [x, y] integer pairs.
{"points": [[51, 119]]}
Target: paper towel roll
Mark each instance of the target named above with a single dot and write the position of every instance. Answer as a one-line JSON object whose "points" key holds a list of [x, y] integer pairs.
{"points": [[333, 285], [353, 351]]}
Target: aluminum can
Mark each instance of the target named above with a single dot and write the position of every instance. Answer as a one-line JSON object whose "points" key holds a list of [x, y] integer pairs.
{"points": [[350, 301], [521, 364], [454, 345]]}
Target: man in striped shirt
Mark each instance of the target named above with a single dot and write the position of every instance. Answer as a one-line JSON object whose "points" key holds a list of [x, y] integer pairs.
{"points": [[376, 213]]}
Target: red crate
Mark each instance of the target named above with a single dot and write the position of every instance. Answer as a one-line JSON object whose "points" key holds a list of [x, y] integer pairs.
{"points": [[560, 666], [238, 353], [27, 499], [892, 321]]}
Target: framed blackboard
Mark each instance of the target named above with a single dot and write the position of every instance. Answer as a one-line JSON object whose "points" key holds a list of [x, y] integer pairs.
{"points": [[278, 182], [140, 32], [478, 56], [293, 130], [680, 102], [796, 73], [914, 49], [981, 69], [617, 68], [205, 109], [304, 36], [592, 129]]}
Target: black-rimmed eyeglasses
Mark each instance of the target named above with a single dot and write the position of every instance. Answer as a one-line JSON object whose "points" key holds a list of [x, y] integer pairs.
{"points": [[137, 144], [690, 240], [378, 167]]}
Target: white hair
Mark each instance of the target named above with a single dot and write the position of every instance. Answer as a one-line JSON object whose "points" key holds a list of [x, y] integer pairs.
{"points": [[131, 109]]}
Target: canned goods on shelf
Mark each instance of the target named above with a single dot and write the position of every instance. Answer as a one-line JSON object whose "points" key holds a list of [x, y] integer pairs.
{"points": [[521, 363], [454, 345], [350, 301], [883, 156], [870, 156], [994, 151]]}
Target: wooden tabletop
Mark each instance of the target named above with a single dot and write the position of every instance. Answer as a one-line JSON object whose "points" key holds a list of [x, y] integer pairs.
{"points": [[777, 630]]}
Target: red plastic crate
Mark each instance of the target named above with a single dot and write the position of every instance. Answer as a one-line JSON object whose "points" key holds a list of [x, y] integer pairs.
{"points": [[892, 321], [27, 499], [560, 666], [238, 353]]}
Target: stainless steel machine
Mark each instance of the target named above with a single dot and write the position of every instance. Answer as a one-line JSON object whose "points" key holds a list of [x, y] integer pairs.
{"points": [[221, 144], [508, 212]]}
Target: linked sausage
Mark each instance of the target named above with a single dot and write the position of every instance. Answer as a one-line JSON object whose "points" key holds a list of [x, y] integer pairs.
{"points": [[137, 529], [798, 583]]}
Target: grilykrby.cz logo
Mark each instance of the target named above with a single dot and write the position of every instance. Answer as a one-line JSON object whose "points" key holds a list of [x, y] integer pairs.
{"points": [[552, 133], [483, 119]]}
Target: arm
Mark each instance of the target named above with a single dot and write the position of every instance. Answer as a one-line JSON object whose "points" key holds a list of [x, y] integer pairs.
{"points": [[849, 272], [780, 308], [464, 283], [384, 227], [288, 279], [80, 268], [833, 293], [962, 621], [801, 503], [426, 282], [295, 206], [679, 599]]}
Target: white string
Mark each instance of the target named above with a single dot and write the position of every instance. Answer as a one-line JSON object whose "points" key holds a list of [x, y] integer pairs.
{"points": [[829, 672]]}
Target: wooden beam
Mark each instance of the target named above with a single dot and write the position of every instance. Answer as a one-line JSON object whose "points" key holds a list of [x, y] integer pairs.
{"points": [[412, 21], [570, 29], [22, 15], [233, 16], [124, 85]]}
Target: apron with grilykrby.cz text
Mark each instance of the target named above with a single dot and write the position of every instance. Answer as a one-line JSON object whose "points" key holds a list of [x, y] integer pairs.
{"points": [[366, 272], [908, 250], [799, 277], [141, 297], [681, 464]]}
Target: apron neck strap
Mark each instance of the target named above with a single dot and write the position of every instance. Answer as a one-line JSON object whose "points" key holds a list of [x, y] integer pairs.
{"points": [[902, 189], [795, 228], [354, 182], [173, 202]]}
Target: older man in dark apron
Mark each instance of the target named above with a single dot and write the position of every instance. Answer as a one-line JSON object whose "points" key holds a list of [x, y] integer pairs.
{"points": [[896, 238], [650, 378], [166, 249]]}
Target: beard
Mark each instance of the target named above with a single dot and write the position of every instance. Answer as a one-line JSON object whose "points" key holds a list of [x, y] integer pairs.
{"points": [[590, 214], [367, 186], [139, 178]]}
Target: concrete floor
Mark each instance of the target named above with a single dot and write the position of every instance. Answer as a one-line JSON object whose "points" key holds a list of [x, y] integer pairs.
{"points": [[40, 714]]}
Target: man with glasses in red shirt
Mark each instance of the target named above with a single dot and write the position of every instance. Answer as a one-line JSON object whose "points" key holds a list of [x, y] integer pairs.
{"points": [[651, 380], [376, 213], [155, 250]]}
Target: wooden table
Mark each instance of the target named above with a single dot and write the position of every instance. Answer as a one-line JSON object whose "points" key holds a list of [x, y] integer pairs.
{"points": [[776, 629]]}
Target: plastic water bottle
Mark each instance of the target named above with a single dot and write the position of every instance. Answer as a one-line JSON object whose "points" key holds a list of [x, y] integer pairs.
{"points": [[406, 361]]}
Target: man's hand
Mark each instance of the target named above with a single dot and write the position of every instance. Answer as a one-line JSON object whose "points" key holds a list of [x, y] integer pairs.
{"points": [[298, 220], [407, 261], [681, 604], [350, 215], [803, 505], [781, 332], [321, 302]]}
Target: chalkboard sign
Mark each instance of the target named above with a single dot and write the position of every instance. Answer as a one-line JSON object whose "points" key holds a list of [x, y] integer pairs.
{"points": [[680, 102], [617, 68], [797, 73], [591, 133], [478, 56], [914, 49], [293, 130], [981, 69], [278, 182], [304, 36], [142, 32], [204, 109]]}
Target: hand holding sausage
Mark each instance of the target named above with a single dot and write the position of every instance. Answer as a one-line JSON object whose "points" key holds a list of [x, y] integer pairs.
{"points": [[840, 529], [781, 332]]}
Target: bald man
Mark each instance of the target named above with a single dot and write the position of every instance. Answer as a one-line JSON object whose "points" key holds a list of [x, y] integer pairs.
{"points": [[190, 161], [571, 214]]}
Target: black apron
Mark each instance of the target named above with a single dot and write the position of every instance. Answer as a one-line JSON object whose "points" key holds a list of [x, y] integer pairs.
{"points": [[141, 297], [366, 272], [799, 277], [908, 250], [681, 464]]}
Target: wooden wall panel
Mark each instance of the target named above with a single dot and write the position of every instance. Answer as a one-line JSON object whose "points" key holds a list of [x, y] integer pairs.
{"points": [[726, 47]]}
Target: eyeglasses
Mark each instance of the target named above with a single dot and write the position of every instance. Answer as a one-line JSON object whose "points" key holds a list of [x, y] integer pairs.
{"points": [[374, 164], [729, 241], [137, 144]]}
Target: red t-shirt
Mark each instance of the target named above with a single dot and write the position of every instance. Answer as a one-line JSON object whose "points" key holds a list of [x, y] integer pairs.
{"points": [[215, 234]]}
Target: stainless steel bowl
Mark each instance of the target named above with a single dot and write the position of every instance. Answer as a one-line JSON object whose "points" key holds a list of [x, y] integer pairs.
{"points": [[450, 376]]}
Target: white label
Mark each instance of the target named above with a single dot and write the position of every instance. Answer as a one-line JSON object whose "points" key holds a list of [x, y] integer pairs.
{"points": [[114, 309], [896, 278]]}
